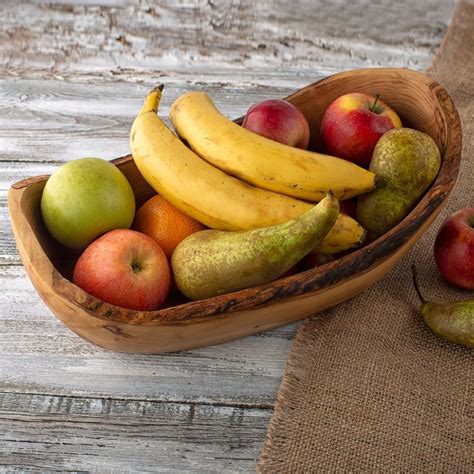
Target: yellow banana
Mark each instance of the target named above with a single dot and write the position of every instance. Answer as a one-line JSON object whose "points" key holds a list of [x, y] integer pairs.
{"points": [[260, 161], [208, 194]]}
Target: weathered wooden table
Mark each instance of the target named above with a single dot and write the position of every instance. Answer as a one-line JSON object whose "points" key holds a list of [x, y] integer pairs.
{"points": [[73, 74]]}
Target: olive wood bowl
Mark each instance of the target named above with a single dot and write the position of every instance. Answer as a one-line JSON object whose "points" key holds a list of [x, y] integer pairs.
{"points": [[421, 103]]}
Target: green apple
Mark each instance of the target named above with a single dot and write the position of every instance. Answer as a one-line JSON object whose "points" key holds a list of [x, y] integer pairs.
{"points": [[84, 199]]}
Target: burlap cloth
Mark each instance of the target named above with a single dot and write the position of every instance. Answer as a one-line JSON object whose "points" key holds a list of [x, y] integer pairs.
{"points": [[367, 387]]}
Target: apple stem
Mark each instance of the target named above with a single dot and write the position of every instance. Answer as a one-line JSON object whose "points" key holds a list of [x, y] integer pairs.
{"points": [[415, 283], [372, 107]]}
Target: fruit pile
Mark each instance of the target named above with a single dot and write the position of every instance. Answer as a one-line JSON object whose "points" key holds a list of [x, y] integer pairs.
{"points": [[236, 205]]}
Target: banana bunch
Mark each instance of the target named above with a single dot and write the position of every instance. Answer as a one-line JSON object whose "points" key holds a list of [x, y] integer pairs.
{"points": [[222, 201], [260, 161]]}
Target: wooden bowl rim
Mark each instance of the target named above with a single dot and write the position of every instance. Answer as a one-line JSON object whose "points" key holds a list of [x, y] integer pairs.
{"points": [[292, 287]]}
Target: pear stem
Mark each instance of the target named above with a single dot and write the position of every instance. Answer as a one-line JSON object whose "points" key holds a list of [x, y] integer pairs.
{"points": [[415, 283], [372, 107]]}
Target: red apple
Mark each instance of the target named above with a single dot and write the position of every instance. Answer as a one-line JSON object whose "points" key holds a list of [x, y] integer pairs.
{"points": [[353, 123], [125, 268], [454, 248], [280, 121]]}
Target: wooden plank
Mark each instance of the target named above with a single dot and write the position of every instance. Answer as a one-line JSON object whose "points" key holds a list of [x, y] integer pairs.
{"points": [[206, 35], [40, 355], [94, 434], [97, 3], [55, 121], [8, 252]]}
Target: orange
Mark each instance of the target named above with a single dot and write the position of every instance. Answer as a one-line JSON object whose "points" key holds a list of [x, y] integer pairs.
{"points": [[159, 219]]}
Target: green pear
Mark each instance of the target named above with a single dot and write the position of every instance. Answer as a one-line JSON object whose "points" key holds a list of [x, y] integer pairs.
{"points": [[406, 162], [451, 320], [213, 262]]}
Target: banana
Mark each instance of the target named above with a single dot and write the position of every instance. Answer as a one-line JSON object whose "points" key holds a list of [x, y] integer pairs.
{"points": [[208, 194], [260, 161]]}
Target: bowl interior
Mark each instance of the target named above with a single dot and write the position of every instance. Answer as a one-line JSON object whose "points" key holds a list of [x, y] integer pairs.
{"points": [[413, 95]]}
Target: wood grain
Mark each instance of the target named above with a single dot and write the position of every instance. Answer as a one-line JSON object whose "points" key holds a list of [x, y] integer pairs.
{"points": [[204, 35], [82, 433], [56, 121]]}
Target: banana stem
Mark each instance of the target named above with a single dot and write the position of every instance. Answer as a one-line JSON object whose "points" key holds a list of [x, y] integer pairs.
{"points": [[152, 100]]}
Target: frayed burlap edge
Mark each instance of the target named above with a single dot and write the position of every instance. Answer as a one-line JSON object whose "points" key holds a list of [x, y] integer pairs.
{"points": [[294, 380]]}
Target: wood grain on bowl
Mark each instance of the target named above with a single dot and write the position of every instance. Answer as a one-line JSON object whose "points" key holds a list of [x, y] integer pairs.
{"points": [[422, 104]]}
